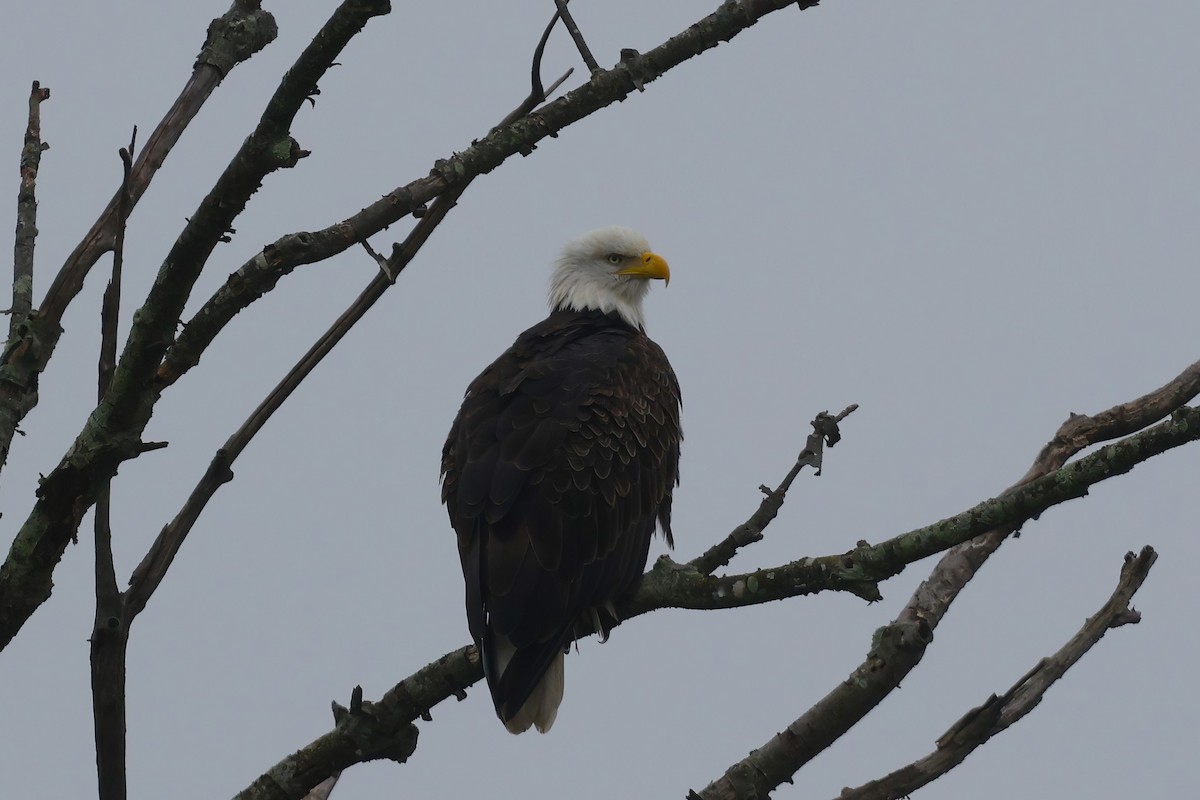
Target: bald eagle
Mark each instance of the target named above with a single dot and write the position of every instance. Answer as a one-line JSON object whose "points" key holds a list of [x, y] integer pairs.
{"points": [[559, 464]]}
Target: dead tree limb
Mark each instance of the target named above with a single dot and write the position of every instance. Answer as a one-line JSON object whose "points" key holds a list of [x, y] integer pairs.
{"points": [[898, 647], [112, 434], [996, 714], [233, 38]]}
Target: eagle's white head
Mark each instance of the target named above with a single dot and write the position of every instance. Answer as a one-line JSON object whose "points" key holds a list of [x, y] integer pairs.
{"points": [[608, 270]]}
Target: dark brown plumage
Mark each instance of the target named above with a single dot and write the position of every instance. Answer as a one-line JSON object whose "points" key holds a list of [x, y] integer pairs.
{"points": [[559, 464]]}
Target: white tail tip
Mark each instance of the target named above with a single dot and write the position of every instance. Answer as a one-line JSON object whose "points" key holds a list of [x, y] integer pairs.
{"points": [[542, 706]]}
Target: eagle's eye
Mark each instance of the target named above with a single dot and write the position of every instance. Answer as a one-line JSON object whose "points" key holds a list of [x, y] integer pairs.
{"points": [[613, 258]]}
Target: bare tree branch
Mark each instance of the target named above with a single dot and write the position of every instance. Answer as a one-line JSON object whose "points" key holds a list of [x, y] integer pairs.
{"points": [[26, 235], [242, 31], [669, 585], [110, 633], [153, 567], [153, 360], [898, 647], [261, 273], [370, 730], [576, 36], [18, 352], [825, 431], [998, 713], [112, 433]]}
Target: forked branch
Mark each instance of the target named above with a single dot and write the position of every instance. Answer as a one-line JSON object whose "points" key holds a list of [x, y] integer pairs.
{"points": [[262, 272], [898, 647], [242, 31], [153, 567], [996, 714], [113, 432]]}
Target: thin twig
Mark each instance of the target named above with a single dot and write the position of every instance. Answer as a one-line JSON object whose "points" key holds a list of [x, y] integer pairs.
{"points": [[535, 71], [573, 29], [825, 431], [26, 237], [998, 713]]}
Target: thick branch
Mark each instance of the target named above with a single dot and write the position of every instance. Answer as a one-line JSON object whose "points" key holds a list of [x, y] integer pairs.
{"points": [[261, 273], [998, 713], [112, 433], [242, 31]]}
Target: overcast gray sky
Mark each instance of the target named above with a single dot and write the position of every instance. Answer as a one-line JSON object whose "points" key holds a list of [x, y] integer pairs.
{"points": [[969, 218]]}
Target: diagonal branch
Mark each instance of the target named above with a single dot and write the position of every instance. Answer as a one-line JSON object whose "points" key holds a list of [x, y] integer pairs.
{"points": [[370, 730], [669, 585], [233, 38], [262, 272], [998, 713], [150, 572], [112, 433], [825, 431], [153, 568], [576, 36], [896, 648]]}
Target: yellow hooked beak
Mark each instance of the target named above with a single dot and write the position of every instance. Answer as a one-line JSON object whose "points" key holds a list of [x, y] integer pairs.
{"points": [[653, 266]]}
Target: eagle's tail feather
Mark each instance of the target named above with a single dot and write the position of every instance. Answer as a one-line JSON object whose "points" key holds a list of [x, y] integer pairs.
{"points": [[541, 707]]}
